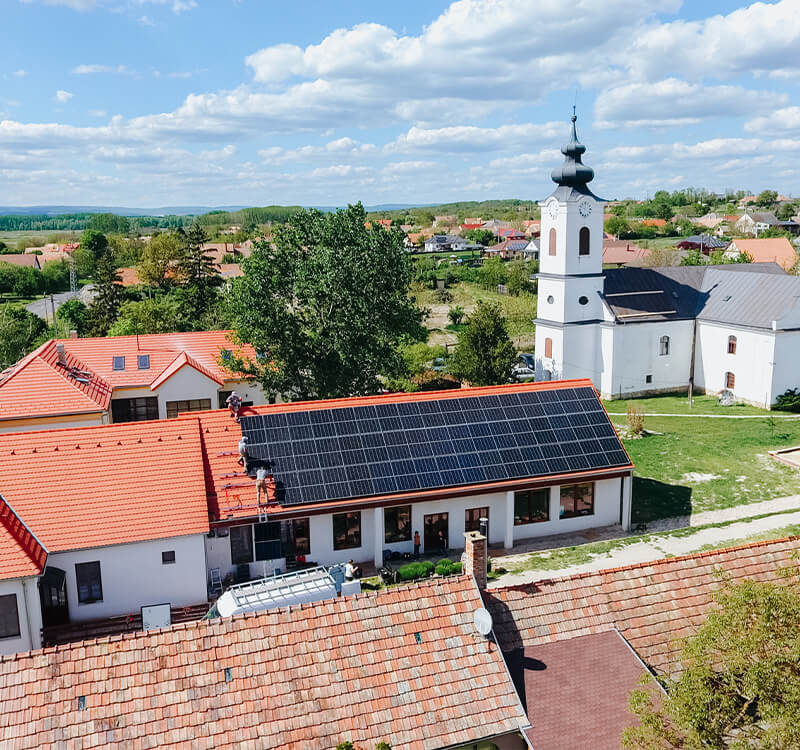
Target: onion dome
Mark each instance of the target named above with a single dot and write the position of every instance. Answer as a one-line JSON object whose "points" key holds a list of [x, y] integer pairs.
{"points": [[573, 173]]}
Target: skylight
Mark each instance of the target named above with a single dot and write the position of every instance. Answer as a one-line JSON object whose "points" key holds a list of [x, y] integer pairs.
{"points": [[119, 363], [144, 361]]}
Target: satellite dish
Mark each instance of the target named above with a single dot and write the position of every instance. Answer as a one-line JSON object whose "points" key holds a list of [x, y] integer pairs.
{"points": [[483, 621]]}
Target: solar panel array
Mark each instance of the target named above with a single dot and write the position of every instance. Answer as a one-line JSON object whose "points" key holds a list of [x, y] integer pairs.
{"points": [[348, 452]]}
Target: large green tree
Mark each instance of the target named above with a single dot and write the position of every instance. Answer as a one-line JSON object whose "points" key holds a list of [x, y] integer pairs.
{"points": [[20, 332], [108, 296], [95, 242], [492, 273], [162, 252], [200, 275], [158, 315], [484, 354], [326, 305], [740, 684]]}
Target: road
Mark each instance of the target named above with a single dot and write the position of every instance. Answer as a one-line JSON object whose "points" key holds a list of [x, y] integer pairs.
{"points": [[42, 308]]}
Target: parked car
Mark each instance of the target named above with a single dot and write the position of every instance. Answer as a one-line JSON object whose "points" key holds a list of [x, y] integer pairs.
{"points": [[521, 373], [527, 360], [439, 364]]}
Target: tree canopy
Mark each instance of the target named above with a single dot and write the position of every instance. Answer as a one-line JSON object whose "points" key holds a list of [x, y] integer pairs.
{"points": [[20, 333], [326, 305], [484, 354], [108, 296], [740, 687]]}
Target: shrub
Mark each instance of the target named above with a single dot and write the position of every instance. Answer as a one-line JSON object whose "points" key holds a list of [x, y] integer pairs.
{"points": [[457, 567], [789, 400], [345, 746], [635, 419], [383, 746], [444, 567], [415, 570], [456, 315], [443, 296], [435, 381]]}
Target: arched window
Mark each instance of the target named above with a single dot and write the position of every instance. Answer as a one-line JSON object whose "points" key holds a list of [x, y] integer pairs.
{"points": [[548, 348], [730, 381], [663, 346], [552, 241], [731, 344], [583, 241]]}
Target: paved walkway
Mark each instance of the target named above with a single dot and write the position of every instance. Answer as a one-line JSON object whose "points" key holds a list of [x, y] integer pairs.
{"points": [[42, 307], [785, 510]]}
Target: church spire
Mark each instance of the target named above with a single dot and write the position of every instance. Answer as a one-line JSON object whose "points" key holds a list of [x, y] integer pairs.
{"points": [[573, 172]]}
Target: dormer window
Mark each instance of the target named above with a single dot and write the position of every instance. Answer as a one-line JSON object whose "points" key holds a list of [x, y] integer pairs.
{"points": [[118, 363], [143, 361]]}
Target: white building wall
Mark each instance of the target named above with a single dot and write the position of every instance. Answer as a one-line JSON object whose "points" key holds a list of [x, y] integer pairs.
{"points": [[786, 371], [29, 612], [56, 423], [752, 364], [186, 384], [133, 575]]}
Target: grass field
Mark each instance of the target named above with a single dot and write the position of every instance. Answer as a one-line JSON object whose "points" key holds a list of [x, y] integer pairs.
{"points": [[679, 404], [35, 238]]}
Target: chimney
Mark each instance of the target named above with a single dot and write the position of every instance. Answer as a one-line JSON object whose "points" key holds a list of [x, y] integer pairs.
{"points": [[73, 334], [475, 557], [62, 356]]}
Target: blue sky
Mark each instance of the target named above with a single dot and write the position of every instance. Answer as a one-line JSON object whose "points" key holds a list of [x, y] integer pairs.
{"points": [[174, 102]]}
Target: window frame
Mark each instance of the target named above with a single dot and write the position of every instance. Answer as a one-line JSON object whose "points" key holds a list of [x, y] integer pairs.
{"points": [[548, 348], [142, 409], [118, 359], [165, 557], [730, 380], [398, 535], [552, 238], [337, 518], [575, 513], [475, 524], [306, 548], [526, 496], [6, 617], [81, 573], [264, 548], [663, 346], [192, 404], [143, 362], [732, 342], [584, 242], [239, 533]]}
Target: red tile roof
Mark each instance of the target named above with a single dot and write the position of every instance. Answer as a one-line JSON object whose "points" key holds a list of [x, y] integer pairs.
{"points": [[21, 553], [623, 252], [654, 222], [651, 604], [403, 665], [110, 484], [28, 260], [181, 361], [40, 384], [770, 250]]}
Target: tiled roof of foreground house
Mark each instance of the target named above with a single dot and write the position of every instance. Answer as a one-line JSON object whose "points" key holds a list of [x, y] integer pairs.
{"points": [[404, 665], [21, 553], [110, 484], [651, 604]]}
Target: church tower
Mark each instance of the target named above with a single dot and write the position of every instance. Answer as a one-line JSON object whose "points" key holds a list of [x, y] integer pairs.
{"points": [[570, 307]]}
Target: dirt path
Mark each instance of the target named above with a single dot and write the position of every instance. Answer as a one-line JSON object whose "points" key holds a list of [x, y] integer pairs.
{"points": [[785, 510]]}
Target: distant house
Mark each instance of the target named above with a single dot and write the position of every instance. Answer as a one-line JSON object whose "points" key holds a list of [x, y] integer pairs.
{"points": [[510, 234], [705, 243], [711, 220], [467, 226], [654, 222], [756, 223], [773, 250], [495, 224], [445, 243], [447, 221], [508, 249], [533, 227], [622, 253], [24, 260]]}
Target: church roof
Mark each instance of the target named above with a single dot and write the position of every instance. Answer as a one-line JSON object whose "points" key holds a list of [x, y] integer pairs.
{"points": [[742, 294], [573, 175]]}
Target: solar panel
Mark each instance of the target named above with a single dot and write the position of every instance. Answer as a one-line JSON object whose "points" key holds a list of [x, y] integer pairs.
{"points": [[347, 452]]}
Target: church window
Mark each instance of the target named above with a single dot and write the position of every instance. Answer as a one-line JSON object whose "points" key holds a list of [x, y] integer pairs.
{"points": [[548, 348], [730, 381], [731, 344], [663, 346], [583, 241], [648, 378], [552, 241]]}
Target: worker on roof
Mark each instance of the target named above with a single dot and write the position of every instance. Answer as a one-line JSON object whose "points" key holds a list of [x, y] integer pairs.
{"points": [[243, 452], [261, 484], [234, 402]]}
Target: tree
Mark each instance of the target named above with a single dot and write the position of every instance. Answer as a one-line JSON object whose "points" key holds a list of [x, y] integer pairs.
{"points": [[158, 256], [479, 236], [108, 296], [518, 276], [74, 316], [484, 354], [740, 687], [84, 262], [787, 210], [54, 276], [20, 333], [200, 275], [775, 232], [127, 251], [693, 258], [767, 198], [109, 224], [95, 242], [20, 281], [158, 315], [326, 306], [492, 273], [617, 226]]}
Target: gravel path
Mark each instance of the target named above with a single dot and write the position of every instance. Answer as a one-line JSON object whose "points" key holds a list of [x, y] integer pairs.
{"points": [[786, 511]]}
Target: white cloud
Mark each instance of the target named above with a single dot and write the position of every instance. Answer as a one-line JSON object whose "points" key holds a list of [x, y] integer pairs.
{"points": [[146, 21], [74, 4], [410, 167], [63, 96], [97, 113], [779, 121], [19, 73], [469, 138], [92, 69]]}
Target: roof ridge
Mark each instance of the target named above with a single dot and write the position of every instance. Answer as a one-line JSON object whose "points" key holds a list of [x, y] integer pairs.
{"points": [[661, 561]]}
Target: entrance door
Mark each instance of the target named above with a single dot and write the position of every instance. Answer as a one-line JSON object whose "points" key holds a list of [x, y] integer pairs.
{"points": [[435, 523], [53, 596]]}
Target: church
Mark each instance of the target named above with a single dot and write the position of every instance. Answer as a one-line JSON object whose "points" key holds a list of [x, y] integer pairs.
{"points": [[641, 331]]}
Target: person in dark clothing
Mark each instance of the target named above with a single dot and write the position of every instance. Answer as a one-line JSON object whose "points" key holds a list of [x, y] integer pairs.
{"points": [[442, 542], [416, 545]]}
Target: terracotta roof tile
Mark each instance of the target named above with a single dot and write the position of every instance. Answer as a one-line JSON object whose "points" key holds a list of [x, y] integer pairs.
{"points": [[21, 553], [280, 695]]}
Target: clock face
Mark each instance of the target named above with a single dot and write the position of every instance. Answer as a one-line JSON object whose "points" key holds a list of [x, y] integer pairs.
{"points": [[553, 209], [584, 208]]}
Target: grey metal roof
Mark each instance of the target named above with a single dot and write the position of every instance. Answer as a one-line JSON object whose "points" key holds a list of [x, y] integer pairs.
{"points": [[747, 294]]}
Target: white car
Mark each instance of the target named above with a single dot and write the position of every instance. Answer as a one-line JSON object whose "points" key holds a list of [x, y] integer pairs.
{"points": [[521, 373]]}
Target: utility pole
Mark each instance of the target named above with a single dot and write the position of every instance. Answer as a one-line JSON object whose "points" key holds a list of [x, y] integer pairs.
{"points": [[73, 277]]}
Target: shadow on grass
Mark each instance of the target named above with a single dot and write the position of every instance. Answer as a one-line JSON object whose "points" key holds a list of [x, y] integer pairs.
{"points": [[653, 500]]}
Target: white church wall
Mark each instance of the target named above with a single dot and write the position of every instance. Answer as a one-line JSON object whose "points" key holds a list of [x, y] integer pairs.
{"points": [[786, 372]]}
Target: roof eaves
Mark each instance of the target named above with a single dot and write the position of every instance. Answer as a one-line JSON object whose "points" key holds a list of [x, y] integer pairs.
{"points": [[24, 536]]}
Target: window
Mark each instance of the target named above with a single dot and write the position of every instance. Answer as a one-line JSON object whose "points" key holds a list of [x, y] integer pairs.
{"points": [[134, 409], [548, 348], [531, 506], [347, 530], [168, 557], [472, 518], [663, 346], [90, 585], [268, 541], [223, 397], [194, 404], [241, 544], [583, 241], [552, 241], [731, 344], [397, 524], [143, 361], [577, 500], [9, 616], [648, 378], [299, 537], [118, 363], [730, 381]]}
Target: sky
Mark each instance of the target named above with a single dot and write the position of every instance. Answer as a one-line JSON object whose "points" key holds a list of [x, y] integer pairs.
{"points": [[148, 103]]}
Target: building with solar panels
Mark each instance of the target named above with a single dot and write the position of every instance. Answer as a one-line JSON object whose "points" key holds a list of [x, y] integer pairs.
{"points": [[639, 331], [356, 478]]}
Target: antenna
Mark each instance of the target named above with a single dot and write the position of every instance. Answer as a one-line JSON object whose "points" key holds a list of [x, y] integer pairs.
{"points": [[482, 621]]}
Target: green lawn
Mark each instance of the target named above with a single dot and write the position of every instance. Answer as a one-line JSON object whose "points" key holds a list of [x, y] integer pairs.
{"points": [[708, 464], [679, 404]]}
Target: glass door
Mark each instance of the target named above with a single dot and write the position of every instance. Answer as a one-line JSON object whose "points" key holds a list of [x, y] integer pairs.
{"points": [[436, 533]]}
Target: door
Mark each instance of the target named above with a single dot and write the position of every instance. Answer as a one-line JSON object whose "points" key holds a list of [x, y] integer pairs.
{"points": [[472, 518], [53, 596], [435, 523]]}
